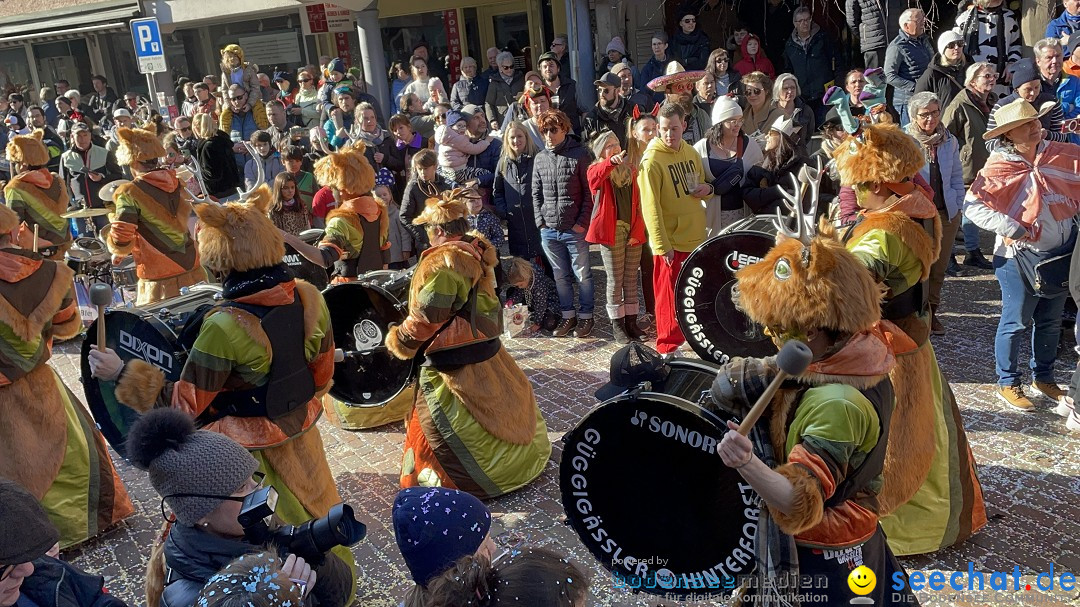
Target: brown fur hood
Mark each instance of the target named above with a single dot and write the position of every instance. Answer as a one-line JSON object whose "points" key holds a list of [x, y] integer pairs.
{"points": [[473, 257]]}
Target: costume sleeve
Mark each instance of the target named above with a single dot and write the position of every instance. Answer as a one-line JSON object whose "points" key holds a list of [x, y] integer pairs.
{"points": [[122, 231], [651, 183], [888, 260], [319, 347], [829, 438], [67, 323], [439, 299], [212, 360], [335, 243]]}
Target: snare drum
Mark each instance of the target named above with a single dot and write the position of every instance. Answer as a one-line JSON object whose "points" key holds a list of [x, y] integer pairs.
{"points": [[301, 266], [124, 274], [714, 328], [86, 255], [153, 333]]}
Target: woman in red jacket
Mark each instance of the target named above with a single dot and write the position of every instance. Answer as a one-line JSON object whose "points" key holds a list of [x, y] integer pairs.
{"points": [[617, 226]]}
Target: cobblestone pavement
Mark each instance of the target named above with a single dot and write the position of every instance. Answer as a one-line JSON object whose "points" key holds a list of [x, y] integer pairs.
{"points": [[1027, 462]]}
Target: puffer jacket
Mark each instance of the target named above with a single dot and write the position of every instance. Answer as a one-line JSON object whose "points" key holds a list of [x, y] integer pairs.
{"points": [[944, 81], [58, 584], [513, 202], [693, 48], [905, 61], [876, 22], [560, 187], [815, 64], [952, 173]]}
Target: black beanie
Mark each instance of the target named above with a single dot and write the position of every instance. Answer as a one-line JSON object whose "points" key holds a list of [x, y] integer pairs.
{"points": [[26, 533]]}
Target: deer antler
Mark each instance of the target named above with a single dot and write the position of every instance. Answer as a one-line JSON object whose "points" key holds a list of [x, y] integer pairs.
{"points": [[261, 176], [807, 179], [196, 170]]}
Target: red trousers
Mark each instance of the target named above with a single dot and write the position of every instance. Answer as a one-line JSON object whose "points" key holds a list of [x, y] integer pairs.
{"points": [[668, 334]]}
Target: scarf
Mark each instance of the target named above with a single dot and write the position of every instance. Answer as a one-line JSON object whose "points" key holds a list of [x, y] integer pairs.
{"points": [[238, 285], [1053, 179], [365, 206], [928, 143]]}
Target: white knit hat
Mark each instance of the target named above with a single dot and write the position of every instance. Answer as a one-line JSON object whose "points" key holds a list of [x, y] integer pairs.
{"points": [[725, 108], [945, 39]]}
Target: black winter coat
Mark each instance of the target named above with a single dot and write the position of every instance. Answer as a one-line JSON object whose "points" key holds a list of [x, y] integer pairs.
{"points": [[215, 157], [192, 557], [945, 82], [55, 583], [513, 202], [596, 121], [560, 187], [875, 22], [814, 65], [412, 204], [692, 49], [500, 95], [567, 102]]}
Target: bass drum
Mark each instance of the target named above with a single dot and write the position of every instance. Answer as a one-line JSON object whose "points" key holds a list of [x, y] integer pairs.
{"points": [[371, 387], [691, 527], [154, 333], [712, 325], [303, 268]]}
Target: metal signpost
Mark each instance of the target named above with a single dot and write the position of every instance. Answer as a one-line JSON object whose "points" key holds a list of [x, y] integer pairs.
{"points": [[149, 50]]}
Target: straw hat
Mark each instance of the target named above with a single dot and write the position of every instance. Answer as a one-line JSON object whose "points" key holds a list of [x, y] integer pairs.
{"points": [[674, 74], [1014, 114]]}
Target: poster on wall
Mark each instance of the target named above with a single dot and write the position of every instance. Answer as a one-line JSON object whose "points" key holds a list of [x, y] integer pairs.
{"points": [[453, 43], [326, 19], [271, 49], [341, 43]]}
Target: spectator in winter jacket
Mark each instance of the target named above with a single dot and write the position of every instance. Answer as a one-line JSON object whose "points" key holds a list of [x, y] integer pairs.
{"points": [[945, 75], [678, 87], [630, 94], [268, 157], [725, 77], [875, 22], [31, 576], [988, 28], [484, 163], [753, 58], [54, 143], [401, 240], [503, 90], [563, 89], [339, 124], [512, 192], [1049, 56], [656, 66], [425, 183], [561, 49], [814, 57], [773, 20], [1066, 23], [610, 111], [908, 56], [213, 151], [562, 203], [279, 123], [615, 54], [470, 88], [101, 100], [87, 168], [398, 152], [235, 71], [1027, 86], [241, 119], [690, 44], [455, 147], [787, 103]]}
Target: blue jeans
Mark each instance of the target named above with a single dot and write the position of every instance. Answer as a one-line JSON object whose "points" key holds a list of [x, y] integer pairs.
{"points": [[568, 254], [1020, 309], [971, 234], [904, 118]]}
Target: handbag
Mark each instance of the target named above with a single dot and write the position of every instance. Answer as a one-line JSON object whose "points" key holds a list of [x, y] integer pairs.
{"points": [[1046, 272]]}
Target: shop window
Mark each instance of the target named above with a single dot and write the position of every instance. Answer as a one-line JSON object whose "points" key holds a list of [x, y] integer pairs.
{"points": [[400, 34], [272, 43], [67, 60], [14, 71]]}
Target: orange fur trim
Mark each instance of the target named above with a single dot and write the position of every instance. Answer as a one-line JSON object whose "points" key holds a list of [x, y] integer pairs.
{"points": [[238, 235], [154, 586], [28, 149], [346, 171], [882, 153], [34, 432], [140, 385], [505, 408], [28, 328], [9, 220], [911, 445], [808, 504], [395, 347], [137, 145]]}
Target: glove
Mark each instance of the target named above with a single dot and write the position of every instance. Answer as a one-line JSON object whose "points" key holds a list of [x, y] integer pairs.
{"points": [[106, 365], [741, 381]]}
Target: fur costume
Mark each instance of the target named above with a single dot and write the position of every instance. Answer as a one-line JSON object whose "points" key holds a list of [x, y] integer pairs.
{"points": [[151, 223], [830, 427], [28, 150], [37, 196], [929, 461], [49, 443], [232, 353], [475, 425]]}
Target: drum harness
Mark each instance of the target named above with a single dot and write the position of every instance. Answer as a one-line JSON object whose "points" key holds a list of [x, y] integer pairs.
{"points": [[915, 300]]}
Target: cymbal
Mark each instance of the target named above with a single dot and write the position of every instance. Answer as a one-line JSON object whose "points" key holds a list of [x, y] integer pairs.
{"points": [[85, 213], [109, 189]]}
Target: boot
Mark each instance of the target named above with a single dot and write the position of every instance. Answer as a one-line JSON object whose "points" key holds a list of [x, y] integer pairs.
{"points": [[618, 331], [975, 259], [632, 329], [584, 327], [565, 326], [936, 328]]}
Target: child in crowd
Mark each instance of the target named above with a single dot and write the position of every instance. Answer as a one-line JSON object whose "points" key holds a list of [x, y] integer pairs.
{"points": [[267, 155], [401, 240], [537, 577], [288, 211], [483, 220], [455, 147], [528, 284]]}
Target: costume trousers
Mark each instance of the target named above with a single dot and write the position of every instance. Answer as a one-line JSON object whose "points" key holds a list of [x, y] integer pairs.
{"points": [[668, 334], [949, 228], [621, 263]]}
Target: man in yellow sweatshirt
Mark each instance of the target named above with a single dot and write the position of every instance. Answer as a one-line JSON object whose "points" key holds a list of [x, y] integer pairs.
{"points": [[671, 189]]}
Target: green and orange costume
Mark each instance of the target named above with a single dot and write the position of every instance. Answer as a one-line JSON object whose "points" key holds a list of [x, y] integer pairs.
{"points": [[49, 443], [475, 424], [37, 196]]}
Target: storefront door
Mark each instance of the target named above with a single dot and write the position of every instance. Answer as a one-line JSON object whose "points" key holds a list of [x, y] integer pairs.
{"points": [[67, 60], [508, 27]]}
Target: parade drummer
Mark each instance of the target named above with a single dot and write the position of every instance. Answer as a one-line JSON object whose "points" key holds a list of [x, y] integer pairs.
{"points": [[37, 196], [475, 424], [357, 235], [816, 455], [151, 221], [49, 443]]}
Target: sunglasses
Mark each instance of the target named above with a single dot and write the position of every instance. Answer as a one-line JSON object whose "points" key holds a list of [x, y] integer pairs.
{"points": [[750, 91], [956, 44], [506, 67], [240, 98], [186, 129], [304, 80], [550, 129]]}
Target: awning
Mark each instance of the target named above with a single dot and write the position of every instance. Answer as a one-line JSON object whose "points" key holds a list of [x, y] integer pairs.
{"points": [[71, 21]]}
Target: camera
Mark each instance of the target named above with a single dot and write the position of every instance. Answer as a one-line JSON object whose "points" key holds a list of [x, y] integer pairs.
{"points": [[309, 540]]}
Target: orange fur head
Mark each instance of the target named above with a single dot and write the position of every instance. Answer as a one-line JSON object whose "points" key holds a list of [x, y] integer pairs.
{"points": [[346, 171], [137, 145], [28, 149], [238, 236], [9, 220], [881, 153]]}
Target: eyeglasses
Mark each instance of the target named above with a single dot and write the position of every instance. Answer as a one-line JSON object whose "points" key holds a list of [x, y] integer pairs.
{"points": [[928, 115], [989, 76], [506, 67], [803, 20], [554, 44], [957, 44], [750, 91]]}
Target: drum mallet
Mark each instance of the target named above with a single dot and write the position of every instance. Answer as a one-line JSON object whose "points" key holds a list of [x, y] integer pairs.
{"points": [[100, 295], [36, 226], [793, 359]]}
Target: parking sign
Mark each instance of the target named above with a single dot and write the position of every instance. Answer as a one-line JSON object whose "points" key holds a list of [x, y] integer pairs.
{"points": [[149, 49]]}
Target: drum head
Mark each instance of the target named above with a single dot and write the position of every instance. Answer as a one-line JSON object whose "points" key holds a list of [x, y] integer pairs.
{"points": [[712, 325], [361, 315], [303, 269], [643, 487]]}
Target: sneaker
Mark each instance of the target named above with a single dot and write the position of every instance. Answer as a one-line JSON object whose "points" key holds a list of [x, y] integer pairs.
{"points": [[1065, 407], [1049, 390], [976, 259], [564, 327], [1015, 398], [1073, 423], [584, 328], [676, 353]]}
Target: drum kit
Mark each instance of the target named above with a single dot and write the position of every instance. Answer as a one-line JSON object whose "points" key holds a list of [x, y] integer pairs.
{"points": [[91, 260]]}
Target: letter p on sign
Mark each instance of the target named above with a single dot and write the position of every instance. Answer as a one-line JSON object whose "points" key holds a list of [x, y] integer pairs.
{"points": [[147, 44]]}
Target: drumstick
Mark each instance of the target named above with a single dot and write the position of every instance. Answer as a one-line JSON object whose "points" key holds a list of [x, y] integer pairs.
{"points": [[35, 237], [793, 359], [100, 296]]}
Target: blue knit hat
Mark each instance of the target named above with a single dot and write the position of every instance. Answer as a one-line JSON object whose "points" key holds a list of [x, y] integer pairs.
{"points": [[435, 527], [384, 177], [335, 65]]}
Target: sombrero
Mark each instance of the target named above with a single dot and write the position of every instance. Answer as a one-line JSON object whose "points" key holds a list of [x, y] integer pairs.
{"points": [[1012, 115], [674, 74]]}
